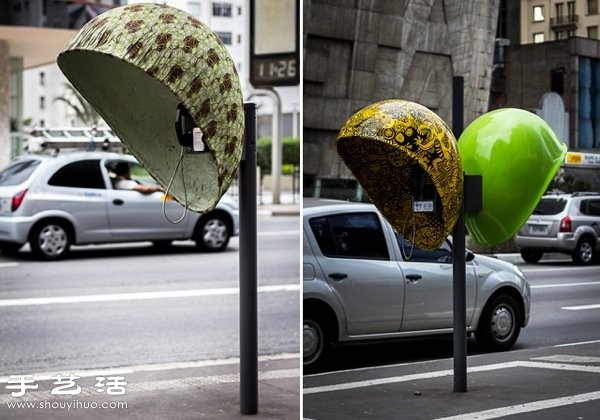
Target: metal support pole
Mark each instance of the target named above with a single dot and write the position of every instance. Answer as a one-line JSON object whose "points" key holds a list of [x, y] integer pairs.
{"points": [[458, 259], [460, 305], [248, 268]]}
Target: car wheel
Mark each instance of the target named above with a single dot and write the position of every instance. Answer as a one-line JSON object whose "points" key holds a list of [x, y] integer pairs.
{"points": [[315, 340], [584, 252], [531, 256], [212, 233], [50, 240], [500, 324]]}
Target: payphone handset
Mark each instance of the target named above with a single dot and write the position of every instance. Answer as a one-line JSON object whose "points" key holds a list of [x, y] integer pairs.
{"points": [[189, 135]]}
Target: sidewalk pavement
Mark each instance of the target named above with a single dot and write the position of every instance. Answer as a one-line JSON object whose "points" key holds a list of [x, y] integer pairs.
{"points": [[559, 382], [289, 204], [186, 390]]}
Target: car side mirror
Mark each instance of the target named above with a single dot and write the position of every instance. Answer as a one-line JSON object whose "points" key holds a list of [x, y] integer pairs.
{"points": [[469, 256]]}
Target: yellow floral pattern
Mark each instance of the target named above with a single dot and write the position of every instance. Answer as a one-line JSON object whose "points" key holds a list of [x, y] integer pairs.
{"points": [[386, 145]]}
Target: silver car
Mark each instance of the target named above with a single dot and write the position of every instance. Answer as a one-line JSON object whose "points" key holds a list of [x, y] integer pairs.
{"points": [[363, 281], [568, 223], [53, 202]]}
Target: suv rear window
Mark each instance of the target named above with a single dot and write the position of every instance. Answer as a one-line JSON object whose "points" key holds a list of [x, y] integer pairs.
{"points": [[18, 172], [550, 206], [352, 235]]}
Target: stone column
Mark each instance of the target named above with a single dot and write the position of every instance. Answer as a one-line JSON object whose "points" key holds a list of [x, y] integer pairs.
{"points": [[5, 142]]}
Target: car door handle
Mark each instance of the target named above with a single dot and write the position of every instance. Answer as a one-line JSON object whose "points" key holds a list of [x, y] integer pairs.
{"points": [[338, 276], [118, 202], [413, 277]]}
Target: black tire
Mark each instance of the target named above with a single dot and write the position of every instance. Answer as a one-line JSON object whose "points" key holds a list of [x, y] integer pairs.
{"points": [[500, 324], [10, 249], [212, 233], [50, 240], [162, 245], [584, 251], [316, 340], [531, 256]]}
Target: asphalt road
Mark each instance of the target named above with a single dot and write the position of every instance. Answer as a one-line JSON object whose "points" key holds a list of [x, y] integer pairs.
{"points": [[122, 305], [565, 304], [561, 293]]}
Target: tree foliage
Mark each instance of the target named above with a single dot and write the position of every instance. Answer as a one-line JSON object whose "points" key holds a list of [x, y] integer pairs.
{"points": [[290, 156], [75, 101]]}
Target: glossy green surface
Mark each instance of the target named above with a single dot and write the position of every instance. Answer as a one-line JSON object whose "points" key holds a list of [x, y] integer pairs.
{"points": [[517, 154]]}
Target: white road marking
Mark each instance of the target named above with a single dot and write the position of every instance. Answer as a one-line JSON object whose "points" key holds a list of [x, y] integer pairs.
{"points": [[581, 307], [404, 378], [526, 408], [554, 269], [580, 343], [551, 286], [126, 370], [9, 265], [442, 373], [279, 233], [568, 358], [114, 297]]}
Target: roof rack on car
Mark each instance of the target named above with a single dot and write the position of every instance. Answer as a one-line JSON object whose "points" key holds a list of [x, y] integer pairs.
{"points": [[584, 193], [43, 139]]}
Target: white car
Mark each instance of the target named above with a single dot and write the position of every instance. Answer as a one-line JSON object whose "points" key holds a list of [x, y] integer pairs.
{"points": [[358, 286], [53, 202]]}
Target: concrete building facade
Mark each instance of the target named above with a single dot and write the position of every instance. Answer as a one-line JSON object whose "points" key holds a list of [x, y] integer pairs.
{"points": [[360, 52]]}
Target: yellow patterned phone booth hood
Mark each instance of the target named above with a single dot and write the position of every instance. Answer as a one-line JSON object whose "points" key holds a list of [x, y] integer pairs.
{"points": [[135, 64], [386, 145]]}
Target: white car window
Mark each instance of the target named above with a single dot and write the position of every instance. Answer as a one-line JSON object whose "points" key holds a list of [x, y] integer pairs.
{"points": [[350, 235], [80, 174]]}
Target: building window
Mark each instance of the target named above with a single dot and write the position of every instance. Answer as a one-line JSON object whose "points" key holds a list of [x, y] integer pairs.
{"points": [[194, 8], [239, 11], [592, 7], [538, 13], [42, 78], [539, 37], [239, 39], [222, 9], [592, 32], [571, 10], [42, 102], [560, 10], [559, 35], [225, 37]]}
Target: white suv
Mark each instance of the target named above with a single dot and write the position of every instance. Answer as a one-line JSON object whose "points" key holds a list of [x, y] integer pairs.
{"points": [[568, 223]]}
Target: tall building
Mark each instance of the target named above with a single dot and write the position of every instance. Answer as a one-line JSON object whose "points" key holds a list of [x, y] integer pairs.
{"points": [[556, 20], [548, 62], [558, 42], [32, 32]]}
